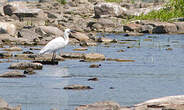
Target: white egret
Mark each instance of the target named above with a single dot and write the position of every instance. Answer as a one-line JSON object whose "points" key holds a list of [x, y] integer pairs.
{"points": [[56, 44]]}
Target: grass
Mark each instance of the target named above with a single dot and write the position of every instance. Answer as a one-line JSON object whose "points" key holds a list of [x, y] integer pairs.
{"points": [[173, 9], [62, 1]]}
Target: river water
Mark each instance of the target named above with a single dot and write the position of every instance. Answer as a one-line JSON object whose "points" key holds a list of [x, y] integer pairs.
{"points": [[156, 72]]}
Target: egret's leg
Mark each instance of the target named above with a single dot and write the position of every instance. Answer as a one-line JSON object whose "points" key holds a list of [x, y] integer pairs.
{"points": [[54, 56]]}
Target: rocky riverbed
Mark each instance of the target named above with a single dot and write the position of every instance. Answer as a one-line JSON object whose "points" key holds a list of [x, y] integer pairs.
{"points": [[132, 64]]}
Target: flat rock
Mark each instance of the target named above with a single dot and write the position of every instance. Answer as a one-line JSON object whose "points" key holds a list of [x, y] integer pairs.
{"points": [[77, 87], [119, 60], [80, 49], [106, 40], [80, 36], [106, 105], [24, 65], [13, 49], [72, 55], [46, 62], [93, 79], [134, 34], [94, 65], [94, 56], [12, 74], [48, 30]]}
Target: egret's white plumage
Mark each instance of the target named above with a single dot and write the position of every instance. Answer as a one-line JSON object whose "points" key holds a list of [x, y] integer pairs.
{"points": [[56, 44]]}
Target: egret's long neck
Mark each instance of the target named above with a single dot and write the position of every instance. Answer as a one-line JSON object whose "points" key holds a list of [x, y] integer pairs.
{"points": [[66, 34]]}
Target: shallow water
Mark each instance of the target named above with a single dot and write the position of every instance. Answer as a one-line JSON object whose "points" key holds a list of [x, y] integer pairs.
{"points": [[156, 72]]}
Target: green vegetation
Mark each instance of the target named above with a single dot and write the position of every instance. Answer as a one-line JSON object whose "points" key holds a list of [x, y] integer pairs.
{"points": [[62, 1], [174, 9]]}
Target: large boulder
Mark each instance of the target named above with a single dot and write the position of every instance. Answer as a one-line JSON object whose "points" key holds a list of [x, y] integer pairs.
{"points": [[7, 27], [108, 9]]}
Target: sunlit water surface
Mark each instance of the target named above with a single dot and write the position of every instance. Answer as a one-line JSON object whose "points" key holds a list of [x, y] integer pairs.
{"points": [[156, 72]]}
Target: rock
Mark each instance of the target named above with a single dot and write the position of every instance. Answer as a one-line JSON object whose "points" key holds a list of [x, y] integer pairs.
{"points": [[93, 79], [108, 9], [94, 56], [106, 40], [29, 34], [180, 27], [73, 55], [33, 48], [25, 56], [164, 103], [80, 36], [80, 49], [180, 19], [4, 106], [47, 58], [106, 105], [7, 27], [27, 52], [5, 55], [48, 30], [95, 66], [163, 27], [132, 27], [3, 103], [46, 62], [119, 60], [121, 51], [13, 49], [24, 65], [134, 34], [84, 44], [12, 74], [29, 71], [77, 87]]}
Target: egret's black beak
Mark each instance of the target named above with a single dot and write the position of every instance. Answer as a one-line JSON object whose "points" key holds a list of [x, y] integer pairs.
{"points": [[73, 31]]}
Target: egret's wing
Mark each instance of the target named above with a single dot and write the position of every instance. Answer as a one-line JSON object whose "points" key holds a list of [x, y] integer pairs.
{"points": [[53, 45]]}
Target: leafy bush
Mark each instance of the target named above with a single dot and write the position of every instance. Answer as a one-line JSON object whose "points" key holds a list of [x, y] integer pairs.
{"points": [[62, 1], [173, 9]]}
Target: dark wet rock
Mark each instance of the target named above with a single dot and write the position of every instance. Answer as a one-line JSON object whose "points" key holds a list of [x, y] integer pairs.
{"points": [[24, 65], [95, 66], [8, 27], [13, 49], [29, 71], [93, 79], [134, 34], [46, 62], [111, 87], [94, 56], [72, 55], [119, 60], [12, 74], [108, 9], [33, 48], [77, 87], [5, 55], [27, 52], [80, 36], [25, 56], [106, 105], [80, 49]]}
